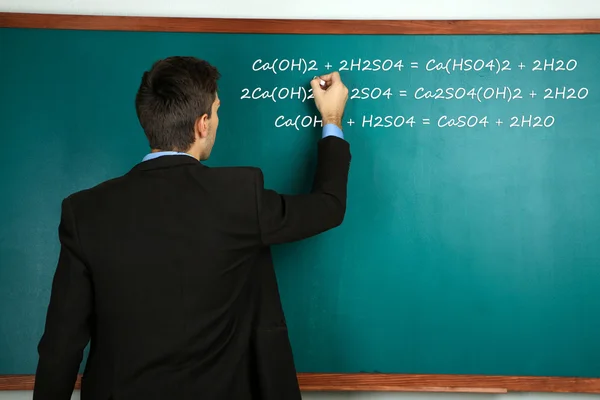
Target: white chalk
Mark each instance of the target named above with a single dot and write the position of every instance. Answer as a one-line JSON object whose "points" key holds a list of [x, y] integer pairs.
{"points": [[322, 83]]}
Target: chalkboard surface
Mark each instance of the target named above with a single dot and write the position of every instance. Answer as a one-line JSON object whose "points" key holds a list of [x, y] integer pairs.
{"points": [[471, 243]]}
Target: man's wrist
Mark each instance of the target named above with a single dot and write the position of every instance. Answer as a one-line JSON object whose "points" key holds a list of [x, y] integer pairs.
{"points": [[335, 121]]}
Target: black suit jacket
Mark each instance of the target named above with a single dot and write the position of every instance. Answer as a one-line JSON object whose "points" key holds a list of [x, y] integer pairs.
{"points": [[168, 271]]}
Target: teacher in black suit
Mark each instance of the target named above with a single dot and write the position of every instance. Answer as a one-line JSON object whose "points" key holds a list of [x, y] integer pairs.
{"points": [[167, 271]]}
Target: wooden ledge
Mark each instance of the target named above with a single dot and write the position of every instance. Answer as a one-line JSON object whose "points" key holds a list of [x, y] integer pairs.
{"points": [[299, 26], [310, 382]]}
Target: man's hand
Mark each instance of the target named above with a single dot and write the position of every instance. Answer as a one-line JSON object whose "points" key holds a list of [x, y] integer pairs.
{"points": [[330, 98]]}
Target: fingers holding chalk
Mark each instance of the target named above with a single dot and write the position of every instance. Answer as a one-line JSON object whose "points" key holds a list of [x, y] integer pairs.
{"points": [[318, 83], [328, 80], [321, 82]]}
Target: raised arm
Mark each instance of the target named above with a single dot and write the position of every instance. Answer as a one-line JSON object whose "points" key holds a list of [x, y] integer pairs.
{"points": [[285, 218]]}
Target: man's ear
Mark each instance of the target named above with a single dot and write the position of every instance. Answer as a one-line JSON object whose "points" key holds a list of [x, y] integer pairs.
{"points": [[201, 126]]}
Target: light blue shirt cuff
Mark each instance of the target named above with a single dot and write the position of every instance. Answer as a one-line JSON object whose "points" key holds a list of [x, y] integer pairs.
{"points": [[332, 130]]}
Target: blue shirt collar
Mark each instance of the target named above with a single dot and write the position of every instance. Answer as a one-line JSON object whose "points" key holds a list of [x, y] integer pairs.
{"points": [[152, 156]]}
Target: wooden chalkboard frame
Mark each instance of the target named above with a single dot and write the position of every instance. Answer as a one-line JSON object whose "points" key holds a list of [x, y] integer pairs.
{"points": [[300, 26], [320, 381]]}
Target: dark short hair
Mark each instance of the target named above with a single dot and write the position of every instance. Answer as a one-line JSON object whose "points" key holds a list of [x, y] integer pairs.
{"points": [[172, 96]]}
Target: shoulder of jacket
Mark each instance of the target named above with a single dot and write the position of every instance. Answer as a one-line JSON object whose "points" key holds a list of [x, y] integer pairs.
{"points": [[233, 171], [83, 194]]}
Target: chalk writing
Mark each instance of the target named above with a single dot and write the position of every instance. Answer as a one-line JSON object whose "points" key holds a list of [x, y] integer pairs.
{"points": [[299, 122], [400, 95], [478, 94]]}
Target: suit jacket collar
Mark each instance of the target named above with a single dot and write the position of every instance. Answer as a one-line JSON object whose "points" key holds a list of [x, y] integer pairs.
{"points": [[166, 162]]}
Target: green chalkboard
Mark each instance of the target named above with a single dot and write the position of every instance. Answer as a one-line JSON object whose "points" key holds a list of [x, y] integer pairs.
{"points": [[471, 243]]}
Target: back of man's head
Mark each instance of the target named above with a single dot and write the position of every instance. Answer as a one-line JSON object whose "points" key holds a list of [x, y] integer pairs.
{"points": [[172, 96]]}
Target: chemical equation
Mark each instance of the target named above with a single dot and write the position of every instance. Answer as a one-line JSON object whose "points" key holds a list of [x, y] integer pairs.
{"points": [[447, 66], [476, 94], [525, 92], [299, 122]]}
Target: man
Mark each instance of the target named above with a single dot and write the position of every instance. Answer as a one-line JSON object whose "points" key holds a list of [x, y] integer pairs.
{"points": [[167, 269]]}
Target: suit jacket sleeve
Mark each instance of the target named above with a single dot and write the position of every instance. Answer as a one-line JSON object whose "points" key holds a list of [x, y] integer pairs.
{"points": [[67, 329], [285, 218]]}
